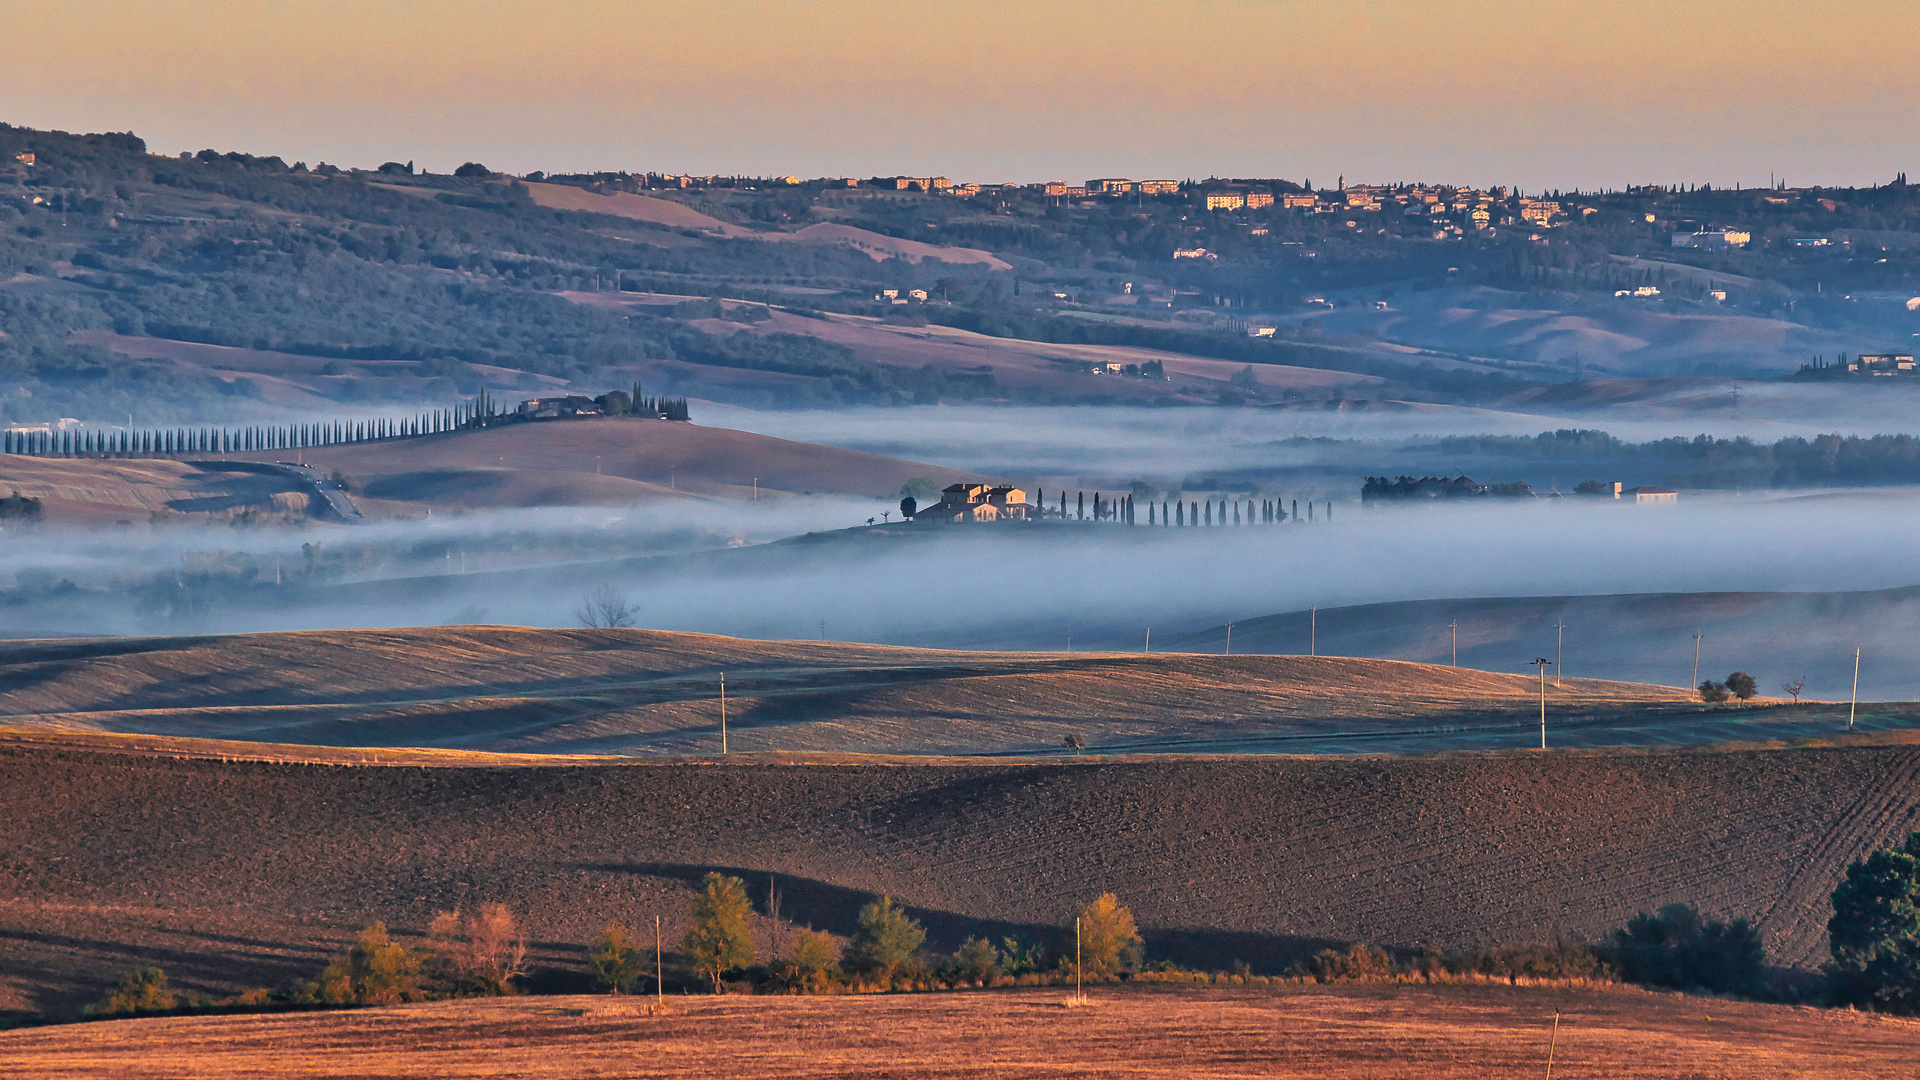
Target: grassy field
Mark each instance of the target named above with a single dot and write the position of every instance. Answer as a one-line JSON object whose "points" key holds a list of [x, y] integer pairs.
{"points": [[519, 690], [1351, 1031]]}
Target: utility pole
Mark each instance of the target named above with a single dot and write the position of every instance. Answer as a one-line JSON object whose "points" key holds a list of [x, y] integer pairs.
{"points": [[1695, 684], [723, 713], [659, 967], [1229, 639], [1559, 639], [773, 912], [1148, 647], [1543, 663], [1455, 627], [1079, 994], [823, 629], [1854, 704], [1313, 630]]}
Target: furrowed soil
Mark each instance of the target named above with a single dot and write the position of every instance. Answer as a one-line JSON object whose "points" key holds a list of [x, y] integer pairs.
{"points": [[1358, 1031], [244, 873]]}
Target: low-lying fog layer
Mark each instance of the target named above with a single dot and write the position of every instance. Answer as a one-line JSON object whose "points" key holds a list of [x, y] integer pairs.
{"points": [[1004, 587], [1097, 444]]}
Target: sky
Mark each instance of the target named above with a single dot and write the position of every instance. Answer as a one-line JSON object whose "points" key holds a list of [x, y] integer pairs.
{"points": [[1542, 94]]}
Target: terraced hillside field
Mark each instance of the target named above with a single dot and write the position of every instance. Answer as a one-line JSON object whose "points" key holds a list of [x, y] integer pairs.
{"points": [[640, 692], [235, 874]]}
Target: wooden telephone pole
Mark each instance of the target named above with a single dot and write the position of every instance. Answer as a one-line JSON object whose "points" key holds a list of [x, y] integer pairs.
{"points": [[1543, 663]]}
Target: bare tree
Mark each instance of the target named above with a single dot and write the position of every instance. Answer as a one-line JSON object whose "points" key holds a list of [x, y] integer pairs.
{"points": [[479, 952], [1793, 688], [606, 608]]}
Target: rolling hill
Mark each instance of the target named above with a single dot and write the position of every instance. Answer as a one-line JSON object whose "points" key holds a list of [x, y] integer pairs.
{"points": [[611, 461], [236, 873], [636, 692]]}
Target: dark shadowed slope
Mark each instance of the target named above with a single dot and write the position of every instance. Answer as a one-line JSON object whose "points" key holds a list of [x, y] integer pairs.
{"points": [[247, 873]]}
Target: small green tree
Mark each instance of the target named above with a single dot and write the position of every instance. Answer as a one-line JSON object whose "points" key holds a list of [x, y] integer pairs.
{"points": [[887, 940], [618, 965], [1742, 685], [813, 967], [144, 990], [976, 961], [1874, 934], [375, 970], [1109, 941], [718, 941]]}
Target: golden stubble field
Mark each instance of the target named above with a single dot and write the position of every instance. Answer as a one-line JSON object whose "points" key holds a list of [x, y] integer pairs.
{"points": [[1138, 1032]]}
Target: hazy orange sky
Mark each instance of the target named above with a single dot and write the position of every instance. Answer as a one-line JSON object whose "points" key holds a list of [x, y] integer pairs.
{"points": [[1540, 94]]}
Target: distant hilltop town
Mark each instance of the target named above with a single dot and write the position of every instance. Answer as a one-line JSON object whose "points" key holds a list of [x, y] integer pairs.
{"points": [[1453, 211]]}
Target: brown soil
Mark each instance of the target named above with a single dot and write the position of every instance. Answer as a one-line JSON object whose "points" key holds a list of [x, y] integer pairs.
{"points": [[617, 458], [243, 873], [519, 690], [1339, 1032], [93, 491]]}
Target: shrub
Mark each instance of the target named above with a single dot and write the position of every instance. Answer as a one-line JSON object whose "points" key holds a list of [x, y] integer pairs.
{"points": [[718, 941], [375, 970], [887, 940], [1109, 941], [618, 965], [814, 967], [1742, 685], [1019, 956], [1361, 962], [976, 961], [1874, 934], [478, 953], [144, 990], [1713, 693], [1677, 948]]}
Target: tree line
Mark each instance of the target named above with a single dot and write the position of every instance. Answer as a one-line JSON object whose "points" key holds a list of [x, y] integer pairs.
{"points": [[1873, 935], [483, 411]]}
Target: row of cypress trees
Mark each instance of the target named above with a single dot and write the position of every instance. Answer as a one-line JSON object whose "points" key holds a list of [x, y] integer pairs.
{"points": [[482, 411], [1180, 514]]}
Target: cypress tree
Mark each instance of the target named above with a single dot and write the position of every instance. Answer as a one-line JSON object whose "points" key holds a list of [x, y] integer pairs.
{"points": [[1081, 507]]}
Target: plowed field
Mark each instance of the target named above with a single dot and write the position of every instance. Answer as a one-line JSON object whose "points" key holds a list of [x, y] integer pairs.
{"points": [[239, 874]]}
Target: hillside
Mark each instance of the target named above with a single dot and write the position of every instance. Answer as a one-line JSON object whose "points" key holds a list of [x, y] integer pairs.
{"points": [[1776, 636], [243, 873], [611, 461], [643, 692], [1346, 1033]]}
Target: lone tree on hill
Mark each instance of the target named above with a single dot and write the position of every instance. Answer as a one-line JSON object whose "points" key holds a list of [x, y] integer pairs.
{"points": [[1742, 685], [887, 940], [1794, 688], [1874, 934], [1109, 941], [718, 940], [606, 608]]}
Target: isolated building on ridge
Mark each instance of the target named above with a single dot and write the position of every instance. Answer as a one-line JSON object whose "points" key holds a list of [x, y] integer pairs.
{"points": [[977, 502]]}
